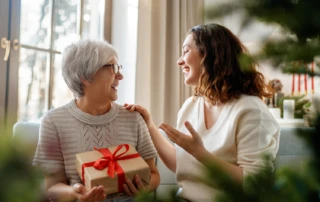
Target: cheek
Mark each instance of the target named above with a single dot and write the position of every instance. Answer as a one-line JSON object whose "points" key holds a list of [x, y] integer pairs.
{"points": [[193, 60]]}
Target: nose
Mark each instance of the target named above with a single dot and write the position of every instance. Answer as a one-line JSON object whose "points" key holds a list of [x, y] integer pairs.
{"points": [[180, 61], [119, 76]]}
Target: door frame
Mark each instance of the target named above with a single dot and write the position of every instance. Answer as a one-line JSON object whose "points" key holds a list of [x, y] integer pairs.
{"points": [[10, 28], [4, 16], [13, 70]]}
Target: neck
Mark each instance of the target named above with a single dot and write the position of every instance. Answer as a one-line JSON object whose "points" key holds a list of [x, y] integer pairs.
{"points": [[209, 104], [93, 107]]}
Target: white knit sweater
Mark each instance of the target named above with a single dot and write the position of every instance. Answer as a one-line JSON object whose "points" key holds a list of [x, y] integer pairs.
{"points": [[66, 131], [244, 131]]}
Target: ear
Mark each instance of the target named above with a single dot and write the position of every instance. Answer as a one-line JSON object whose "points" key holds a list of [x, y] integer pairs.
{"points": [[86, 82]]}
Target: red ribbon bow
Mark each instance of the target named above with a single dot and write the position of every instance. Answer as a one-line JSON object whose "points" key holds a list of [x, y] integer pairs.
{"points": [[110, 160]]}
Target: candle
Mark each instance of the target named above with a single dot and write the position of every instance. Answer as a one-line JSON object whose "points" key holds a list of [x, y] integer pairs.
{"points": [[298, 84], [312, 77], [288, 109], [305, 80], [292, 91], [299, 81]]}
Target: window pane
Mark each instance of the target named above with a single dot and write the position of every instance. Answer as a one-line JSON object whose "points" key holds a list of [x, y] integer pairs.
{"points": [[35, 23], [60, 93], [32, 84], [65, 23], [92, 19]]}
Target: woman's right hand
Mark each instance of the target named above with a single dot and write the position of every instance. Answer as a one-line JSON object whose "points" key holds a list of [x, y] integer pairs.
{"points": [[84, 195], [145, 114]]}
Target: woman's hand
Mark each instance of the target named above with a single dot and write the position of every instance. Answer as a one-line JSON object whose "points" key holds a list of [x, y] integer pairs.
{"points": [[190, 143], [145, 114], [132, 189], [84, 195]]}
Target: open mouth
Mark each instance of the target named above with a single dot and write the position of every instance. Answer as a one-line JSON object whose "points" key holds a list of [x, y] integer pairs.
{"points": [[185, 71], [115, 87]]}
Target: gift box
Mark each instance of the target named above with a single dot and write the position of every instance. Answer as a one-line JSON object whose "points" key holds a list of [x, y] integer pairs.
{"points": [[110, 167]]}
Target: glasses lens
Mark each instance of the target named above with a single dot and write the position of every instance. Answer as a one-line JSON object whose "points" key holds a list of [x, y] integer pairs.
{"points": [[115, 68]]}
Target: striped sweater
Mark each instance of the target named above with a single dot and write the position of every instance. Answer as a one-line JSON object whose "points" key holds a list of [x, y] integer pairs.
{"points": [[66, 131]]}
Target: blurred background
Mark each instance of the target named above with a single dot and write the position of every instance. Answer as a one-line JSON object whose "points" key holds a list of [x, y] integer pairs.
{"points": [[148, 36]]}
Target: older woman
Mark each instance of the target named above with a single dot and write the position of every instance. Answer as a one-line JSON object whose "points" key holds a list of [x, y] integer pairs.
{"points": [[92, 119]]}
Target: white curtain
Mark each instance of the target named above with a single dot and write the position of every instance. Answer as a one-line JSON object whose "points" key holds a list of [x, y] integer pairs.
{"points": [[162, 28]]}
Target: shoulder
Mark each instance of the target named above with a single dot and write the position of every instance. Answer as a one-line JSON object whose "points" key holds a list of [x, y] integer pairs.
{"points": [[250, 108], [127, 115], [190, 107], [191, 102], [57, 116], [248, 102], [57, 113]]}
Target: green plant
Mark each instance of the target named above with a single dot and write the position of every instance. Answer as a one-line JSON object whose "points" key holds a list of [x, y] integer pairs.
{"points": [[20, 181]]}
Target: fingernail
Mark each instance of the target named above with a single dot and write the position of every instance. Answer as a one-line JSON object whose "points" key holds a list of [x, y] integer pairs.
{"points": [[137, 178]]}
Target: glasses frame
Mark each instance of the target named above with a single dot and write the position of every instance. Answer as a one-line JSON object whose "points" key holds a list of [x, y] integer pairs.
{"points": [[116, 67]]}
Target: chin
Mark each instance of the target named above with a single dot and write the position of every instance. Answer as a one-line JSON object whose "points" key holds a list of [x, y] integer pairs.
{"points": [[114, 98]]}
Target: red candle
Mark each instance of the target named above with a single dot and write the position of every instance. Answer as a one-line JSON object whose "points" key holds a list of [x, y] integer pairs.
{"points": [[312, 77], [298, 84], [292, 91], [305, 80]]}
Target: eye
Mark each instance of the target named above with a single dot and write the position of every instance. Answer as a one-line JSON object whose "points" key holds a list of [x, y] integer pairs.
{"points": [[185, 51]]}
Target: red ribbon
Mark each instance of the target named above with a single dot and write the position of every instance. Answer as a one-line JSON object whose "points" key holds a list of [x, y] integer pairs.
{"points": [[110, 160]]}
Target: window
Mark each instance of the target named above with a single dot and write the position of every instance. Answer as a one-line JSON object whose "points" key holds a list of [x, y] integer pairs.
{"points": [[46, 28]]}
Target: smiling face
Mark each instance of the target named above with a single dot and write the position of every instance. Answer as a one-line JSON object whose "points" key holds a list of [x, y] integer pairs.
{"points": [[103, 87], [190, 61]]}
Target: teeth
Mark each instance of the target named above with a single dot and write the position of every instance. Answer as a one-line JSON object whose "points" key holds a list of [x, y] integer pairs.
{"points": [[185, 70], [115, 87]]}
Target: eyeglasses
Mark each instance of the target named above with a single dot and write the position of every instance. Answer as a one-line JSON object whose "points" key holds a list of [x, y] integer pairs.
{"points": [[116, 68]]}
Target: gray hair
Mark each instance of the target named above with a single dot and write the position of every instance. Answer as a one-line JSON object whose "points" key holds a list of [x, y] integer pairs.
{"points": [[82, 60]]}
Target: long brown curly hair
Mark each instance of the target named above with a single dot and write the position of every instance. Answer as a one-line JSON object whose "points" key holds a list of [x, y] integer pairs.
{"points": [[223, 79]]}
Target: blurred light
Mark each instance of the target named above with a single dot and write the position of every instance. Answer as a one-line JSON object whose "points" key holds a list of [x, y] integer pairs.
{"points": [[86, 17]]}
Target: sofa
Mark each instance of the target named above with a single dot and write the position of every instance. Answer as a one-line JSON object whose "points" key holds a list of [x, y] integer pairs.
{"points": [[292, 152]]}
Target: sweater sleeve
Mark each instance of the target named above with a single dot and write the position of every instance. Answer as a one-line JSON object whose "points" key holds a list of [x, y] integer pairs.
{"points": [[145, 145], [257, 136], [48, 154]]}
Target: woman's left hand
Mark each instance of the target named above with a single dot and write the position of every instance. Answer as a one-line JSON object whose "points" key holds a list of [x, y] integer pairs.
{"points": [[132, 189], [190, 143]]}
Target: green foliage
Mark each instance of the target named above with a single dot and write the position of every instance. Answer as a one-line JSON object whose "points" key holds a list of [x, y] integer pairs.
{"points": [[20, 181]]}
